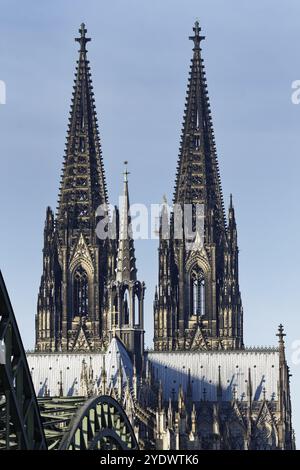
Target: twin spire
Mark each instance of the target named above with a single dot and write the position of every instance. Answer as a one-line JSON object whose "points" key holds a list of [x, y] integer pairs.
{"points": [[83, 186], [197, 180]]}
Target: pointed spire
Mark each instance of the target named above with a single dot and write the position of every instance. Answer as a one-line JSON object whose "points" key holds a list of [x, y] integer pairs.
{"points": [[194, 419], [103, 376], [160, 396], [281, 345], [61, 390], [83, 186], [231, 215], [219, 387], [170, 414], [164, 227], [249, 388], [181, 404], [198, 179], [120, 379], [189, 389], [91, 370], [126, 269], [49, 222]]}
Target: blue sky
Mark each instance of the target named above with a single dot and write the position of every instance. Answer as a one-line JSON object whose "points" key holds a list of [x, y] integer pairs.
{"points": [[140, 56]]}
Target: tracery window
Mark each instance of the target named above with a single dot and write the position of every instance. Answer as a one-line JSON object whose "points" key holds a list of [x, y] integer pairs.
{"points": [[126, 309], [197, 292], [81, 292]]}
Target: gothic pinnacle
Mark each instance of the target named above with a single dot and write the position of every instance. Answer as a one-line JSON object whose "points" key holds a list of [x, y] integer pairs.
{"points": [[281, 333], [281, 345], [126, 172]]}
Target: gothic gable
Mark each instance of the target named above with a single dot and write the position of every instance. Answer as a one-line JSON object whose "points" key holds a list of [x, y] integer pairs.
{"points": [[265, 434], [198, 341], [81, 254], [81, 343]]}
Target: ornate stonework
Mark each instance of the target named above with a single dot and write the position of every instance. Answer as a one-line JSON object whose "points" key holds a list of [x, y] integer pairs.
{"points": [[200, 388]]}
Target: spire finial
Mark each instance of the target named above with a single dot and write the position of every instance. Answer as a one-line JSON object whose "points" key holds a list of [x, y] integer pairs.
{"points": [[281, 336], [126, 172], [197, 38], [83, 39], [280, 333]]}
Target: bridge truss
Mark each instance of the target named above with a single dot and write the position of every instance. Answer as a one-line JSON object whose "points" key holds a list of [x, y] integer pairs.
{"points": [[20, 423], [75, 423], [67, 423]]}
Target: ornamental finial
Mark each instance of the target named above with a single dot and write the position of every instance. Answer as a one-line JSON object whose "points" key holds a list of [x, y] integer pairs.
{"points": [[281, 333], [126, 172], [197, 38], [83, 39]]}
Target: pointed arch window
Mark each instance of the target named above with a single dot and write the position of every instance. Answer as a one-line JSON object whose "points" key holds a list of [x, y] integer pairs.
{"points": [[197, 292], [136, 310], [81, 292], [126, 308]]}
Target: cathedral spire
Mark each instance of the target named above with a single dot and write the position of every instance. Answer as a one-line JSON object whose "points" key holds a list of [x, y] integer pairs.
{"points": [[198, 303], [197, 179], [126, 269], [83, 186], [77, 258]]}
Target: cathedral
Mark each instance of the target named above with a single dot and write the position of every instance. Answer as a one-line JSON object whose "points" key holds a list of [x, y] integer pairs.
{"points": [[199, 387]]}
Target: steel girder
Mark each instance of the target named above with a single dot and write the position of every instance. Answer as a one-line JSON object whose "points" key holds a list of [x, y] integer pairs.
{"points": [[20, 423], [101, 423]]}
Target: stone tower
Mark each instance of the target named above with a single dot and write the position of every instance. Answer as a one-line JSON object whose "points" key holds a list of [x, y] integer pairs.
{"points": [[70, 312], [198, 304]]}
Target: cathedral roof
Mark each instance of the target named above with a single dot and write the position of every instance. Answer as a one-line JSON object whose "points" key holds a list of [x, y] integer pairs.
{"points": [[207, 368], [117, 357], [48, 369]]}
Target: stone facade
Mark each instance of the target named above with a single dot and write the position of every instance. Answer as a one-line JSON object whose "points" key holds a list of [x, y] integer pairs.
{"points": [[200, 388]]}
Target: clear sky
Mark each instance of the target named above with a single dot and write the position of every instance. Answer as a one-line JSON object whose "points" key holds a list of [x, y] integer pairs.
{"points": [[140, 55]]}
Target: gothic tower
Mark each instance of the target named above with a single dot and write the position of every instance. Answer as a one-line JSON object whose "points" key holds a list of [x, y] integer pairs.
{"points": [[70, 312], [125, 293], [198, 303]]}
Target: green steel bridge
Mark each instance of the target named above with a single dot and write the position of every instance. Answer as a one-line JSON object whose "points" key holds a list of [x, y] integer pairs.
{"points": [[68, 423]]}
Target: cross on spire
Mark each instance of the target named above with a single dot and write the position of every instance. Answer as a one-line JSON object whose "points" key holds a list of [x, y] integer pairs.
{"points": [[83, 39], [197, 38]]}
